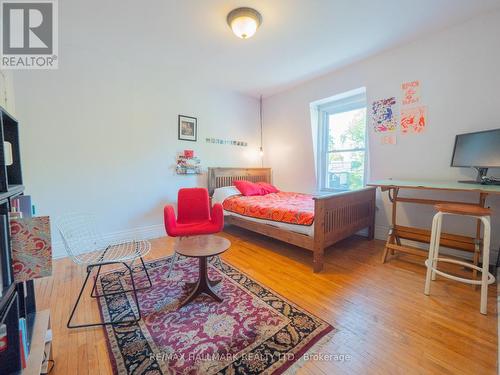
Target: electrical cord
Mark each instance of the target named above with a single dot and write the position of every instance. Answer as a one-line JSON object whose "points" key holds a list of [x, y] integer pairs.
{"points": [[50, 362]]}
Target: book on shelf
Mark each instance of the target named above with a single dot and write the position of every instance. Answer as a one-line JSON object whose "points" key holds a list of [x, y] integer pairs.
{"points": [[23, 341], [21, 349], [22, 205], [3, 337], [5, 271]]}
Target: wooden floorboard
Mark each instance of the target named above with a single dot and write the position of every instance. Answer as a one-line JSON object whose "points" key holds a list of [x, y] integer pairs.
{"points": [[384, 321]]}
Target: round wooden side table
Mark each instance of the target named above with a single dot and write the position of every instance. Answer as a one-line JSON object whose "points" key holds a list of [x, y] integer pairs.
{"points": [[201, 247]]}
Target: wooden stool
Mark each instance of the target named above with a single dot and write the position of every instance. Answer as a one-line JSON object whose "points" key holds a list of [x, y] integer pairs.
{"points": [[487, 278]]}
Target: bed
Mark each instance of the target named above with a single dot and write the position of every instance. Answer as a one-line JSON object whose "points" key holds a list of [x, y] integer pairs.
{"points": [[335, 216]]}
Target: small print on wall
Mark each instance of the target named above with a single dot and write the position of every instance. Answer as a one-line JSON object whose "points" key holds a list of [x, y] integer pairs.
{"points": [[388, 140], [188, 128], [413, 120], [411, 92], [219, 141], [384, 115]]}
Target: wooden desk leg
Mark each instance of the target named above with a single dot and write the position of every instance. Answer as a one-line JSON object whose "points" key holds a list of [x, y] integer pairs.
{"points": [[393, 236], [477, 250], [390, 239], [394, 218]]}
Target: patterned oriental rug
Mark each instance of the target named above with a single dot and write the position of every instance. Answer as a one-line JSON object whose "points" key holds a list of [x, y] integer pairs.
{"points": [[253, 331]]}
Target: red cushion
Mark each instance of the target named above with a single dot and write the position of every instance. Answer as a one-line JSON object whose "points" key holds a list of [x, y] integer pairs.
{"points": [[193, 229], [268, 188], [197, 227], [248, 188]]}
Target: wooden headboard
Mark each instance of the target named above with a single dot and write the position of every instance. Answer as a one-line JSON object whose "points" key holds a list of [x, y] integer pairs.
{"points": [[220, 177]]}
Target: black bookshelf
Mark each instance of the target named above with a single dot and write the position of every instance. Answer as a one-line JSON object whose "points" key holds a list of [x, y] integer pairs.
{"points": [[16, 300], [11, 175]]}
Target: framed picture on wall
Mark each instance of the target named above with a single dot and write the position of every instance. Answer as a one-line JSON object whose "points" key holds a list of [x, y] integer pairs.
{"points": [[188, 128]]}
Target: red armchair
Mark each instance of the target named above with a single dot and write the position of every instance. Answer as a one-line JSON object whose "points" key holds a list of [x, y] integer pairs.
{"points": [[194, 216]]}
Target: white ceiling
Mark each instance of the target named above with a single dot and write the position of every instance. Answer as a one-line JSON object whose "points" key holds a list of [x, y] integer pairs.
{"points": [[298, 39]]}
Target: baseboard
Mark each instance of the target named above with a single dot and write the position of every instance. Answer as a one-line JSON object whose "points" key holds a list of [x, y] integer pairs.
{"points": [[140, 233], [381, 232]]}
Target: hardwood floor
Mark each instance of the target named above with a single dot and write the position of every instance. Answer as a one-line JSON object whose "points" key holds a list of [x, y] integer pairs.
{"points": [[385, 323]]}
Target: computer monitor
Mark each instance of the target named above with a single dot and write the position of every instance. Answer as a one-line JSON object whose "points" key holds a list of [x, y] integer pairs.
{"points": [[480, 150]]}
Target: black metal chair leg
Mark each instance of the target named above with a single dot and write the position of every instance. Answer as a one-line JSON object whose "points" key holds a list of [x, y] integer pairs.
{"points": [[95, 282], [147, 273], [89, 270], [134, 290], [124, 291]]}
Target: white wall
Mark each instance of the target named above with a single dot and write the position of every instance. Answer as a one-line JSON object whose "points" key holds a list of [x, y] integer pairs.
{"points": [[100, 135], [458, 71], [7, 99]]}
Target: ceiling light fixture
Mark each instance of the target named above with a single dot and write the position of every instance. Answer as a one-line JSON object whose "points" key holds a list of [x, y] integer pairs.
{"points": [[244, 22]]}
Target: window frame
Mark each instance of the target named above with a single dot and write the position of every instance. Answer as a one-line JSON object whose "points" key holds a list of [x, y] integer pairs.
{"points": [[335, 106]]}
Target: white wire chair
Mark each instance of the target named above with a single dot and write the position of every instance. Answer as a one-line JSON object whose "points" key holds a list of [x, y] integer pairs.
{"points": [[86, 246]]}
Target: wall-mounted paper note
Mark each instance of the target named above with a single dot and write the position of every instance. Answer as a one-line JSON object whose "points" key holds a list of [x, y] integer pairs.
{"points": [[389, 140], [31, 248], [384, 115], [413, 120], [411, 92]]}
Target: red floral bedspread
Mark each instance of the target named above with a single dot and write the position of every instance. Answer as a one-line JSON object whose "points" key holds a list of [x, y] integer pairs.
{"points": [[291, 208]]}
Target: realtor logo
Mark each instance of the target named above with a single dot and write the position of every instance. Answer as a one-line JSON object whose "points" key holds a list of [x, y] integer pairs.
{"points": [[28, 34]]}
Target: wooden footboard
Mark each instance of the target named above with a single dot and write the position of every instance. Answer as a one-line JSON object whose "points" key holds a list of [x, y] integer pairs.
{"points": [[339, 215]]}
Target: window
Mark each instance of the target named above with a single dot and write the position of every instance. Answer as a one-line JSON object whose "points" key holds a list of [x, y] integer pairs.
{"points": [[342, 142]]}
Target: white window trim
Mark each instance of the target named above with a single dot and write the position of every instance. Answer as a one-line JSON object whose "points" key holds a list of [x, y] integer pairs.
{"points": [[344, 104]]}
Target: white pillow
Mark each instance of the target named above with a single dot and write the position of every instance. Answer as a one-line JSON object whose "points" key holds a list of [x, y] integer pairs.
{"points": [[220, 194]]}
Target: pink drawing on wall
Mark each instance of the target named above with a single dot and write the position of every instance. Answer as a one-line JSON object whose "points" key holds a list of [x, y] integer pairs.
{"points": [[411, 92], [384, 115], [413, 120]]}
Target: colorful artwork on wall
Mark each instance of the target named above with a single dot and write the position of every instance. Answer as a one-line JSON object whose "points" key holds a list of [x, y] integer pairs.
{"points": [[411, 92], [384, 115], [31, 248], [187, 163], [413, 120]]}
